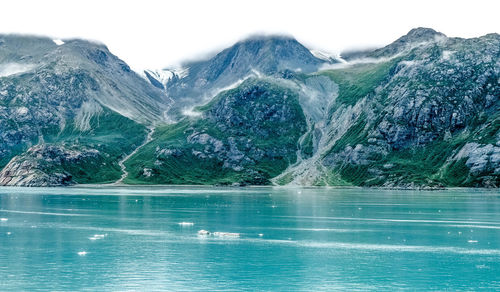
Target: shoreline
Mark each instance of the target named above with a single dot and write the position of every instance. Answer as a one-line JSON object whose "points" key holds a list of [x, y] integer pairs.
{"points": [[230, 187]]}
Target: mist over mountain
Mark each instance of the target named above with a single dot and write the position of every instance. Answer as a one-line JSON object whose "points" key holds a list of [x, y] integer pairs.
{"points": [[422, 111], [199, 81]]}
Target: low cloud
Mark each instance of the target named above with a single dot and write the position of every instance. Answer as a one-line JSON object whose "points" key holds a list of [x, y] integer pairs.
{"points": [[14, 68]]}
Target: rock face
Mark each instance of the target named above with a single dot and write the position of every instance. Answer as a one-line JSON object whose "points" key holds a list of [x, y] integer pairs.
{"points": [[440, 95], [483, 162], [43, 165]]}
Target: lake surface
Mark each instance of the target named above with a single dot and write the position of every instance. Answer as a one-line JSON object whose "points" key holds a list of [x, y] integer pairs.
{"points": [[130, 239]]}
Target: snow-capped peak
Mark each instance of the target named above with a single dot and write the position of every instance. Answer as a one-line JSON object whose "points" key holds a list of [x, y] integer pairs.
{"points": [[329, 57], [163, 76]]}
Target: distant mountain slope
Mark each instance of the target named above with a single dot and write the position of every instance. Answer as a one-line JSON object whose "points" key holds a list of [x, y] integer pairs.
{"points": [[245, 135], [416, 37], [200, 81], [48, 90], [422, 111]]}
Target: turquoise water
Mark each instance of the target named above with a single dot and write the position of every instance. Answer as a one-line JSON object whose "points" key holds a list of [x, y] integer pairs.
{"points": [[116, 239]]}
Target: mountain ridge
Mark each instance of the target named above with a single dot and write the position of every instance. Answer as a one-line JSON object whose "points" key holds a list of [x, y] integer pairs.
{"points": [[422, 111]]}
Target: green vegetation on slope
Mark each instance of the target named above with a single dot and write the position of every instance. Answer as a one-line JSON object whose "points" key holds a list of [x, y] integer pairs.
{"points": [[247, 135], [428, 165], [111, 134], [357, 81], [185, 168]]}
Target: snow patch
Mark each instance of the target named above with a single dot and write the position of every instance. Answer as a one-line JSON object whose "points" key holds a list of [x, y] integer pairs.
{"points": [[326, 56], [165, 75], [180, 72], [58, 42], [162, 76]]}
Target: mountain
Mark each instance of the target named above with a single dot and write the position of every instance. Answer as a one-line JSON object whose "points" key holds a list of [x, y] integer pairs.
{"points": [[75, 95], [420, 112], [198, 82], [244, 135], [420, 36]]}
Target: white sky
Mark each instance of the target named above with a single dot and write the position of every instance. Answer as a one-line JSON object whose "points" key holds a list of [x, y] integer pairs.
{"points": [[156, 34]]}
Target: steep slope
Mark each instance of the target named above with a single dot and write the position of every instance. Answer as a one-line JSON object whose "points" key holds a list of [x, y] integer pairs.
{"points": [[48, 91], [429, 118], [422, 111], [200, 81], [245, 135]]}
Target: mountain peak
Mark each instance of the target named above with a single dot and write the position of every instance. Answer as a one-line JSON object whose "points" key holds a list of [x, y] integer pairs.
{"points": [[272, 46], [421, 34], [267, 38], [414, 37]]}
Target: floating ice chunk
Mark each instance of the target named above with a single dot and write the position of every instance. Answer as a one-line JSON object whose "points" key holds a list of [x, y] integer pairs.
{"points": [[472, 241], [58, 42], [9, 233], [4, 219], [98, 236], [203, 232], [260, 234], [218, 234], [226, 234], [186, 223], [82, 253]]}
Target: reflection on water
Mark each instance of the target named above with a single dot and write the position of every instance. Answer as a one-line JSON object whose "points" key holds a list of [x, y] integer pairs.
{"points": [[146, 238]]}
